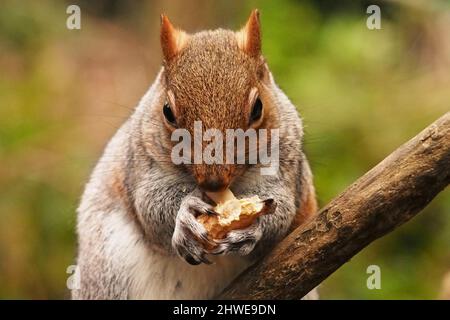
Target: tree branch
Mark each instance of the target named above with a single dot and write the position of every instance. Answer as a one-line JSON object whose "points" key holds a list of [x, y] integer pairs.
{"points": [[384, 198]]}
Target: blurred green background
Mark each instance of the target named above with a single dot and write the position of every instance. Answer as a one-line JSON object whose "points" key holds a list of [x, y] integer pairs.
{"points": [[362, 93]]}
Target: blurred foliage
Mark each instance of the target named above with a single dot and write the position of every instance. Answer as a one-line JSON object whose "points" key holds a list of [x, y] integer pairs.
{"points": [[361, 93]]}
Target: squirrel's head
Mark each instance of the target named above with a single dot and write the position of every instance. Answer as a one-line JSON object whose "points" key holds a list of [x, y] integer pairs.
{"points": [[219, 78]]}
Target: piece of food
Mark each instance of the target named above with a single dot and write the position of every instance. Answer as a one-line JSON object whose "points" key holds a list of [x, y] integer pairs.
{"points": [[221, 196], [232, 213]]}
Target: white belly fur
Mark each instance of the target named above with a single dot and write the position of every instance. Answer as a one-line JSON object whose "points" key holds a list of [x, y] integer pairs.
{"points": [[155, 275]]}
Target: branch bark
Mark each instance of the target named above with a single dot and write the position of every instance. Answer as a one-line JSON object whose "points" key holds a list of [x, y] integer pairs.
{"points": [[385, 197]]}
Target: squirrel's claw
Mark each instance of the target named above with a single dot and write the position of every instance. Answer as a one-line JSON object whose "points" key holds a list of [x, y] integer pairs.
{"points": [[211, 212], [269, 206]]}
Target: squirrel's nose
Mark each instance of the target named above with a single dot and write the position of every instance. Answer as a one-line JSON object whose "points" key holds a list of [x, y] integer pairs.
{"points": [[213, 184]]}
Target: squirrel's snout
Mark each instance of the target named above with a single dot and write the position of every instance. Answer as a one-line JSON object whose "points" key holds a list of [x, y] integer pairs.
{"points": [[213, 184]]}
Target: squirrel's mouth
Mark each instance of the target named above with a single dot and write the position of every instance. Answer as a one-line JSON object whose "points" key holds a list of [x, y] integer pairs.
{"points": [[213, 184]]}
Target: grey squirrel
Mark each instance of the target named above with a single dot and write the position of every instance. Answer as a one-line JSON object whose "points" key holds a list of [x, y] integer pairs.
{"points": [[137, 233]]}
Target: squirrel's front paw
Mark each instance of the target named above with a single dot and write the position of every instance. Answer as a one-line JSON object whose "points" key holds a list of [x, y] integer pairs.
{"points": [[189, 234], [241, 241]]}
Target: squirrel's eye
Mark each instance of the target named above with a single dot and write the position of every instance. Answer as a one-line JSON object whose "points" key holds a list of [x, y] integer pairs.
{"points": [[168, 114], [256, 111]]}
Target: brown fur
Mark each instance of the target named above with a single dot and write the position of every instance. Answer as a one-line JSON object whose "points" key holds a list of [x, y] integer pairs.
{"points": [[192, 78], [172, 40], [249, 38], [308, 200]]}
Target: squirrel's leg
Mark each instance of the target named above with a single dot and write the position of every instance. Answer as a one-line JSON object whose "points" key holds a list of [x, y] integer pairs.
{"points": [[106, 248], [308, 201], [308, 209]]}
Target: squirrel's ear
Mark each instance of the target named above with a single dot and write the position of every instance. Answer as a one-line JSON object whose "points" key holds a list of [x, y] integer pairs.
{"points": [[249, 37], [172, 39]]}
